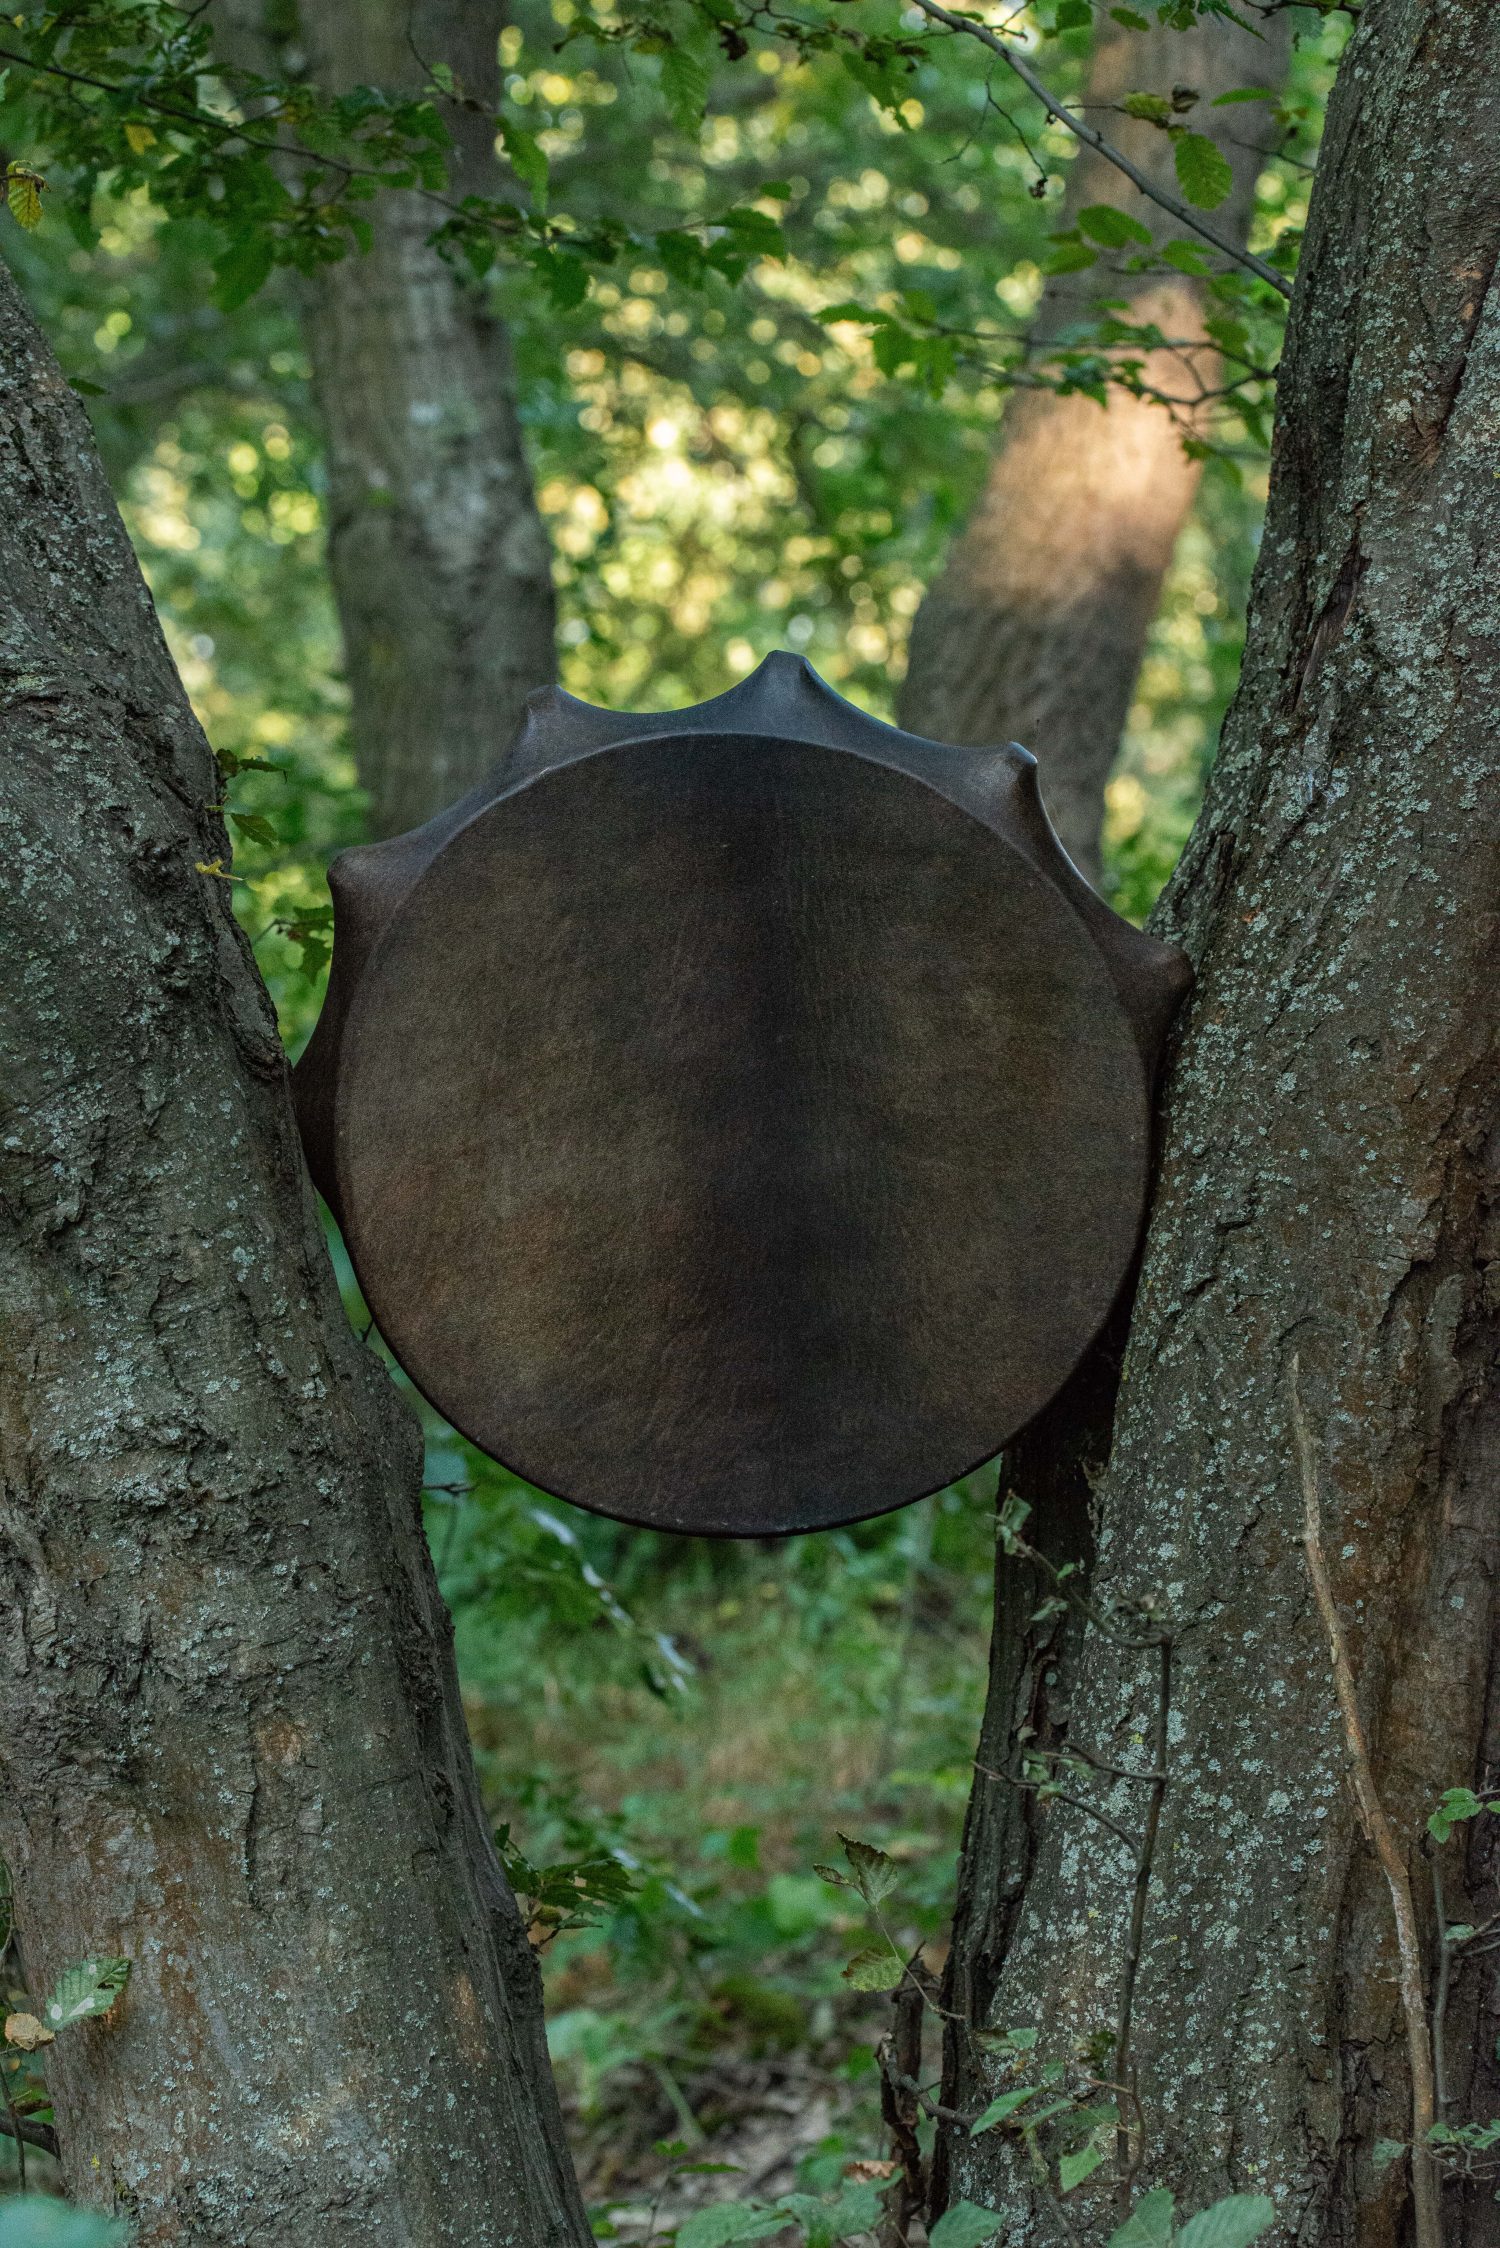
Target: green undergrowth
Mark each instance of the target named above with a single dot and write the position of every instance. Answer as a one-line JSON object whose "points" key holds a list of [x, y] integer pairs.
{"points": [[671, 1733], [686, 1726]]}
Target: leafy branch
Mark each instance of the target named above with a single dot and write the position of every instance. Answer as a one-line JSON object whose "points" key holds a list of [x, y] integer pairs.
{"points": [[575, 1893], [118, 94], [1092, 138]]}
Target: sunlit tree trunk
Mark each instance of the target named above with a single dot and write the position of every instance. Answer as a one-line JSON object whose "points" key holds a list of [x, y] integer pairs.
{"points": [[441, 566], [231, 1746], [1036, 627], [1327, 1191]]}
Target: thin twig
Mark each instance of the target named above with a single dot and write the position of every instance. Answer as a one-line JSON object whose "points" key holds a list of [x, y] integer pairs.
{"points": [[1095, 1763], [1127, 2162], [1440, 1996], [933, 2109], [1057, 1795], [1092, 138], [25, 2134], [1379, 1835]]}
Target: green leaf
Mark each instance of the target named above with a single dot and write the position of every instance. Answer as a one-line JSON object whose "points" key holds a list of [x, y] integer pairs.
{"points": [[1231, 2223], [1203, 171], [724, 2221], [1102, 223], [315, 956], [23, 192], [229, 764], [1073, 15], [1097, 2118], [755, 232], [1072, 2169], [1149, 2224], [682, 255], [684, 85], [880, 79], [1455, 1804], [1068, 257], [256, 827], [1047, 2114], [875, 1873], [965, 2225], [874, 1969], [832, 1875], [527, 159], [1388, 2151], [856, 2209], [1010, 1522], [1231, 336], [242, 268], [1242, 93], [1000, 2110], [89, 1988], [1130, 19], [1188, 257], [567, 277]]}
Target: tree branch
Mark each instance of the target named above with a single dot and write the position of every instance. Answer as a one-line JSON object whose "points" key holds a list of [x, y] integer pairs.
{"points": [[1092, 138], [13, 2126]]}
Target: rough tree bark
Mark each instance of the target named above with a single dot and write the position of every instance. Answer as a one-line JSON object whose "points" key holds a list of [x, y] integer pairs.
{"points": [[1035, 629], [1327, 1187], [441, 566], [231, 1746]]}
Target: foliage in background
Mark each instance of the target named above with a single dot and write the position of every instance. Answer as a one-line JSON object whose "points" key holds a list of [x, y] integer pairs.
{"points": [[722, 469], [34, 2221]]}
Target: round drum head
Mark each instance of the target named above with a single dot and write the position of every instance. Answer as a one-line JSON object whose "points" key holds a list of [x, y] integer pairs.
{"points": [[734, 1135]]}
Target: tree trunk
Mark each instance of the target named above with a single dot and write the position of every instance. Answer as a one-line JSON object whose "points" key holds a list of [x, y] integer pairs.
{"points": [[1036, 627], [231, 1745], [1327, 1189], [441, 566]]}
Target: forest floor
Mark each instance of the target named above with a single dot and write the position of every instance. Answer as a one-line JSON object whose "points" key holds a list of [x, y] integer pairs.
{"points": [[755, 1704]]}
